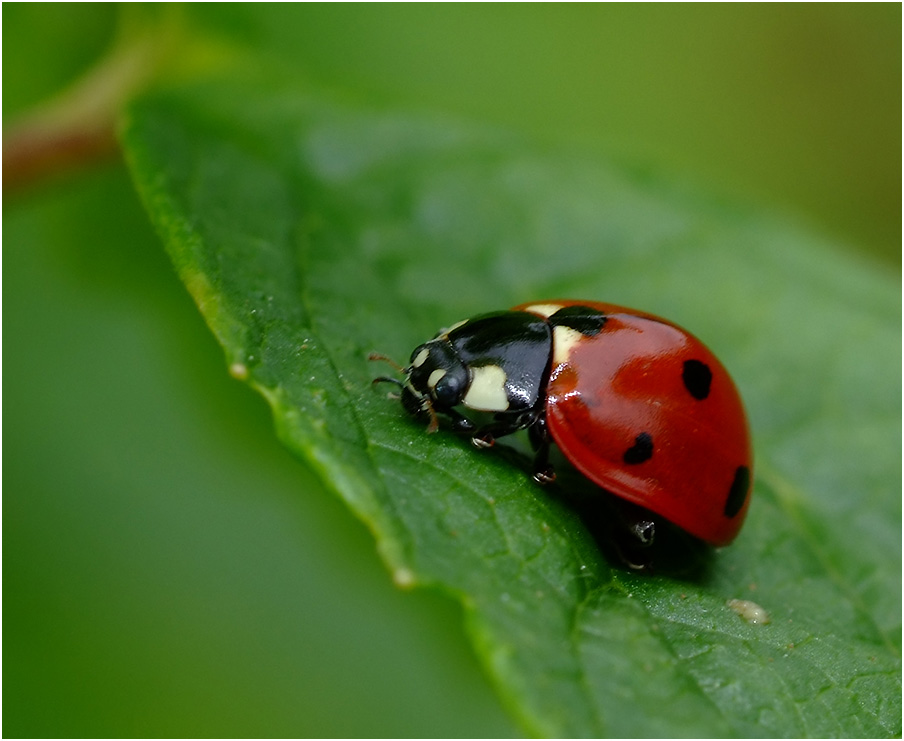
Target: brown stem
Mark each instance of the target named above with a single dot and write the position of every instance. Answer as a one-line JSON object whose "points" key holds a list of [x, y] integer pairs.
{"points": [[31, 154], [78, 126]]}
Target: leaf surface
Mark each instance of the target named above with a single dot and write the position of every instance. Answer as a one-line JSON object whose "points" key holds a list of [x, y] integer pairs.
{"points": [[311, 233]]}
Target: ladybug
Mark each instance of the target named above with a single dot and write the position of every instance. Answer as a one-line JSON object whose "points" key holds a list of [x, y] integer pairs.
{"points": [[635, 403]]}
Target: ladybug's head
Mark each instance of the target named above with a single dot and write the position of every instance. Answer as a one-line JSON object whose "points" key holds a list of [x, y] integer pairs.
{"points": [[437, 374], [435, 380]]}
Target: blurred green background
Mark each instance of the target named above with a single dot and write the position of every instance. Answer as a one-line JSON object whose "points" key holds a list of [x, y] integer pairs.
{"points": [[169, 570]]}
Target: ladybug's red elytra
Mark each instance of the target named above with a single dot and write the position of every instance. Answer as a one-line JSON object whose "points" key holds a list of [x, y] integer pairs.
{"points": [[638, 405]]}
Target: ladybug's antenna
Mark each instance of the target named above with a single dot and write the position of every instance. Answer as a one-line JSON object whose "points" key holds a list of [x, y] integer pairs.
{"points": [[387, 379], [421, 402], [385, 359]]}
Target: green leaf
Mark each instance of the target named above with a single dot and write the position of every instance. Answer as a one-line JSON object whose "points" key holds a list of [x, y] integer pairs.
{"points": [[311, 233]]}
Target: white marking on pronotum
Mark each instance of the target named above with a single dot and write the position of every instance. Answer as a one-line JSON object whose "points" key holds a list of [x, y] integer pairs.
{"points": [[420, 358], [445, 332], [749, 611], [487, 390], [563, 341], [435, 377], [546, 310]]}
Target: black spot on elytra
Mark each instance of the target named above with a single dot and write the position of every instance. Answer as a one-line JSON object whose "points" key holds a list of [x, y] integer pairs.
{"points": [[583, 319], [641, 451], [697, 378], [737, 494]]}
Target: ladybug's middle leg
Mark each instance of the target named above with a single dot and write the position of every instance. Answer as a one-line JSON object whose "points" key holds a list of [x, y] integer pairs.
{"points": [[538, 434], [502, 425], [534, 421]]}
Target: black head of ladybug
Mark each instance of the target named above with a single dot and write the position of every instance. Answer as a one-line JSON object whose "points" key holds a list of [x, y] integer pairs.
{"points": [[435, 381], [436, 373]]}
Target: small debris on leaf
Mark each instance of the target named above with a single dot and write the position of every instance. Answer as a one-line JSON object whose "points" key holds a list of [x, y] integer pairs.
{"points": [[749, 611]]}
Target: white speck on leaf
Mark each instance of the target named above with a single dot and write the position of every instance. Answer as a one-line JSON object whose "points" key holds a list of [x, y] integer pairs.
{"points": [[403, 578]]}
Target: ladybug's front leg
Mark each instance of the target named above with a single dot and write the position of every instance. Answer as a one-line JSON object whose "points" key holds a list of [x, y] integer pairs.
{"points": [[460, 423]]}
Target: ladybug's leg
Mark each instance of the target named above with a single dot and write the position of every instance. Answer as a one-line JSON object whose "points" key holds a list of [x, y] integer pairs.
{"points": [[486, 436], [538, 434], [535, 422], [502, 425], [460, 423], [633, 535]]}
